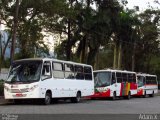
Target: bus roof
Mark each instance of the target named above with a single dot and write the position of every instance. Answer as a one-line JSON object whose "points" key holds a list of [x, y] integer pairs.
{"points": [[113, 70], [51, 59], [145, 74]]}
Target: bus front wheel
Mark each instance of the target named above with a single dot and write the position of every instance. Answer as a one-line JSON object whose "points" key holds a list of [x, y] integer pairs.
{"points": [[152, 95], [47, 99], [17, 101], [114, 96]]}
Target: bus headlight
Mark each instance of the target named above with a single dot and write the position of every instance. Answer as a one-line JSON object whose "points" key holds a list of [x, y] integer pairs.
{"points": [[6, 88]]}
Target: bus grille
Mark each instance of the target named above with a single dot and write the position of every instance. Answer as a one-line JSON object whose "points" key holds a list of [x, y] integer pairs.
{"points": [[15, 91], [24, 90], [19, 90]]}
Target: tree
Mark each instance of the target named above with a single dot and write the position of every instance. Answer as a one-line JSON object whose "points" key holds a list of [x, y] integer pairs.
{"points": [[148, 46], [15, 25], [29, 22], [125, 35]]}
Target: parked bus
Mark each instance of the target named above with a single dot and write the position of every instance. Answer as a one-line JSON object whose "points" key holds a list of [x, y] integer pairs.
{"points": [[45, 78], [147, 85], [114, 83]]}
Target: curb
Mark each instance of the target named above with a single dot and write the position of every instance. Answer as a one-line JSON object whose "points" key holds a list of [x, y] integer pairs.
{"points": [[3, 101]]}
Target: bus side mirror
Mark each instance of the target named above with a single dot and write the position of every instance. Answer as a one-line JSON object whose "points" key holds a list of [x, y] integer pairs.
{"points": [[46, 76]]}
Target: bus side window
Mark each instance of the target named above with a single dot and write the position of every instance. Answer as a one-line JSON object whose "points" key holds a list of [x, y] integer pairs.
{"points": [[130, 77], [154, 80], [144, 80], [88, 73], [147, 80], [79, 72], [46, 72], [58, 70], [125, 77], [134, 78], [69, 71], [119, 77], [113, 78]]}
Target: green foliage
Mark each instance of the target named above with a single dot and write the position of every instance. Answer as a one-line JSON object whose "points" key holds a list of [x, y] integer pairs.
{"points": [[103, 61], [148, 45], [93, 33], [59, 50]]}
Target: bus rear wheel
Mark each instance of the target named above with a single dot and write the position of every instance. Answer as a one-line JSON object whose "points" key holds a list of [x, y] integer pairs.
{"points": [[76, 99], [129, 95], [145, 94]]}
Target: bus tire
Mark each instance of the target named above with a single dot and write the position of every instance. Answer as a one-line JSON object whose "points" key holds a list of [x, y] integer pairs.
{"points": [[47, 99], [76, 99], [114, 96], [55, 100], [129, 95], [152, 95], [145, 94], [93, 98], [17, 101]]}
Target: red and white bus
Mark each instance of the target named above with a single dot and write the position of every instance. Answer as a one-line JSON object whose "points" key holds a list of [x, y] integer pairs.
{"points": [[114, 83], [147, 85]]}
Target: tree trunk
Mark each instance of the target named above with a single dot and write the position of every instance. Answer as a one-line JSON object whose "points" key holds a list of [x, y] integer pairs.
{"points": [[133, 57], [68, 46], [0, 53], [115, 56], [148, 64], [5, 47], [88, 3], [15, 25], [120, 56], [96, 65], [91, 56], [83, 51]]}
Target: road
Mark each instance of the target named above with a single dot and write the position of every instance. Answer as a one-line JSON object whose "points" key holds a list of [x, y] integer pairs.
{"points": [[120, 106]]}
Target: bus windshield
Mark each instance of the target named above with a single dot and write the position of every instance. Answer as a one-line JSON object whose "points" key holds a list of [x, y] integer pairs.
{"points": [[102, 79], [25, 71], [140, 81]]}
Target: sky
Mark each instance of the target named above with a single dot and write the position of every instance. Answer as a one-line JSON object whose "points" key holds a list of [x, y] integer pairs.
{"points": [[143, 4]]}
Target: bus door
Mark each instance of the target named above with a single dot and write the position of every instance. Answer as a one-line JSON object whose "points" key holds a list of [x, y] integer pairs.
{"points": [[46, 76], [119, 84], [114, 86]]}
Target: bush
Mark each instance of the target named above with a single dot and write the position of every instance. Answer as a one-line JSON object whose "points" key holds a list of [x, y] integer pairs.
{"points": [[1, 88]]}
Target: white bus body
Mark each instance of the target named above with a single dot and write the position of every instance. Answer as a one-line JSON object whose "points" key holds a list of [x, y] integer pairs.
{"points": [[48, 78], [147, 85]]}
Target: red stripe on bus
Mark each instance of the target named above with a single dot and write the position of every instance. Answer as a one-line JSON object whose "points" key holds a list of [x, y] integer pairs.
{"points": [[121, 89], [101, 94], [140, 92], [133, 86]]}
